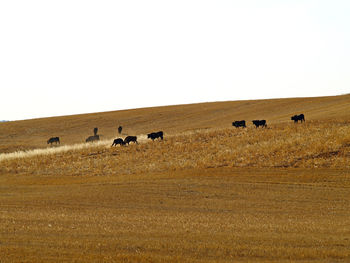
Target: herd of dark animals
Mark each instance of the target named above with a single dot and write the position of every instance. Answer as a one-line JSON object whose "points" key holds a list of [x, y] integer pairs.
{"points": [[120, 141], [159, 135], [257, 123], [128, 139], [263, 123]]}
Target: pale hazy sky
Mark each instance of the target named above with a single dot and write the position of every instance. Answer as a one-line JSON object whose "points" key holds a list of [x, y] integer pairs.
{"points": [[68, 57]]}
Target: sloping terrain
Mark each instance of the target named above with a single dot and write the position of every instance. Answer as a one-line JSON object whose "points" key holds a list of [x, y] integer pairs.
{"points": [[32, 134], [208, 192]]}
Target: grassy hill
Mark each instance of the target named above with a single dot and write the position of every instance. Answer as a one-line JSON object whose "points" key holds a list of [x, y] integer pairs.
{"points": [[208, 192], [31, 134]]}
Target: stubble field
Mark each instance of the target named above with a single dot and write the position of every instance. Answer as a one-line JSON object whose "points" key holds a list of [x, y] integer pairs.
{"points": [[207, 193]]}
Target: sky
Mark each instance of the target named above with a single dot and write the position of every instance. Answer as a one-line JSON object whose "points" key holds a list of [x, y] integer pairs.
{"points": [[70, 57]]}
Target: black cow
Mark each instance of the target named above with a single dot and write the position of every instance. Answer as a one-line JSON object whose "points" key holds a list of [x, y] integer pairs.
{"points": [[155, 135], [129, 139], [120, 128], [93, 138], [53, 139], [238, 124], [118, 141], [297, 118], [258, 123]]}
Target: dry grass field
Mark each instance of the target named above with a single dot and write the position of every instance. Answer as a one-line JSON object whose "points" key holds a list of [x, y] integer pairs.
{"points": [[33, 134], [208, 192]]}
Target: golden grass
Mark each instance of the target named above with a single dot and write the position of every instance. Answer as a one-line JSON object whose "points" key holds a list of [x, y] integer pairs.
{"points": [[50, 150], [210, 215], [208, 193], [310, 145], [33, 134]]}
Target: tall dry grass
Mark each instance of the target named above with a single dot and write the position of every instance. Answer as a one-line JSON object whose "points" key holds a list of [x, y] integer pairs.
{"points": [[161, 201], [32, 134], [310, 145]]}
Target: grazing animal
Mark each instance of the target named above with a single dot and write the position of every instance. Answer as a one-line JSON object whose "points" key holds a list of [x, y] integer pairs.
{"points": [[93, 138], [120, 128], [119, 141], [155, 135], [129, 139], [53, 139], [238, 124], [297, 118], [258, 123]]}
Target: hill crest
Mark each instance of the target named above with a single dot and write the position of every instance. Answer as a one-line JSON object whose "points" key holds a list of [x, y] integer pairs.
{"points": [[32, 134]]}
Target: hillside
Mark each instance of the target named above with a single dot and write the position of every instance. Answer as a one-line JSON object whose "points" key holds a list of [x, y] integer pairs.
{"points": [[208, 192], [32, 134]]}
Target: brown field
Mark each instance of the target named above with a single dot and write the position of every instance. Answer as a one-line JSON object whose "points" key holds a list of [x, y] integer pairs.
{"points": [[208, 193]]}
